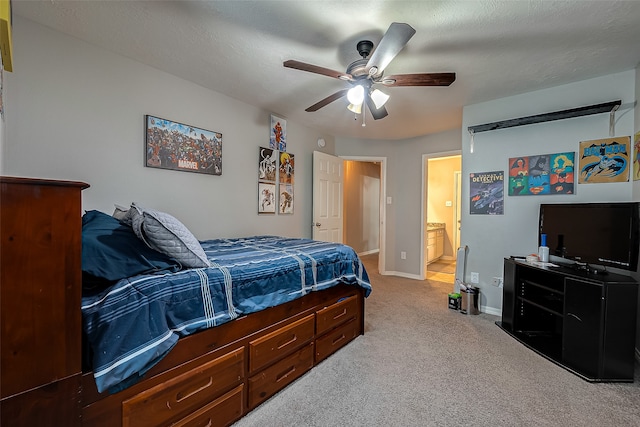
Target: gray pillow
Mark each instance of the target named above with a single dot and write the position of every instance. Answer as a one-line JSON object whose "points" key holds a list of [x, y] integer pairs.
{"points": [[164, 233]]}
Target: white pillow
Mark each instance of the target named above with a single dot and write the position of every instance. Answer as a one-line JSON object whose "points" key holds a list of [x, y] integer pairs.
{"points": [[122, 214], [166, 234]]}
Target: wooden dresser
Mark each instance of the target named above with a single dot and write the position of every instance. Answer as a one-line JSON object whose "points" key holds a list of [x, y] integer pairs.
{"points": [[40, 292]]}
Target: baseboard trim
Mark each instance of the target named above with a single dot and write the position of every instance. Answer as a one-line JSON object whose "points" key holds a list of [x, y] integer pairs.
{"points": [[491, 310]]}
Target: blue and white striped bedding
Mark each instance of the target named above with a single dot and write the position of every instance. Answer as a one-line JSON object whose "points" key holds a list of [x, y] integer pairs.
{"points": [[133, 324]]}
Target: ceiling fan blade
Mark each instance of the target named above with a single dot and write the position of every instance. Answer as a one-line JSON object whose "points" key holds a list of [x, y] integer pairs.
{"points": [[377, 113], [391, 44], [328, 100], [318, 70], [423, 79]]}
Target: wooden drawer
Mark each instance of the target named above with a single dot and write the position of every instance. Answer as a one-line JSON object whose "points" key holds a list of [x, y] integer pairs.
{"points": [[276, 344], [268, 382], [329, 343], [336, 314], [220, 413], [185, 393]]}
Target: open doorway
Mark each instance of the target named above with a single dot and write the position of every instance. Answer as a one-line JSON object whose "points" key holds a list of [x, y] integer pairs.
{"points": [[364, 210], [441, 215]]}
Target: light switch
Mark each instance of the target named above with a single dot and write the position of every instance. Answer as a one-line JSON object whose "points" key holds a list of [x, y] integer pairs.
{"points": [[448, 203], [388, 200]]}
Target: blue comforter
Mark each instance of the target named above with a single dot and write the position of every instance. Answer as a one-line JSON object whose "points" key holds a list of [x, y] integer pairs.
{"points": [[132, 325]]}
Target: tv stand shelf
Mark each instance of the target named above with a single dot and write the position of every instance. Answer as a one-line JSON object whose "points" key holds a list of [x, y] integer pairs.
{"points": [[583, 322]]}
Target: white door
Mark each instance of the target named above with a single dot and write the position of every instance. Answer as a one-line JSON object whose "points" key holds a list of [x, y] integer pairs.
{"points": [[328, 177]]}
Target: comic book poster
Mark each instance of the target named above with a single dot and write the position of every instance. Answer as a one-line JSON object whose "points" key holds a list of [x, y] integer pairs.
{"points": [[518, 176], [266, 198], [605, 160], [541, 174], [176, 146], [636, 156], [286, 198], [561, 177], [278, 133], [287, 168], [486, 190], [267, 164]]}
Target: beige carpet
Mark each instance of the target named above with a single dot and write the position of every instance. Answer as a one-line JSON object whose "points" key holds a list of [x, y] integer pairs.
{"points": [[422, 364]]}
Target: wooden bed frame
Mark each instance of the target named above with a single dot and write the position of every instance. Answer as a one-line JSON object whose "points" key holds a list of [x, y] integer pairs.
{"points": [[213, 377]]}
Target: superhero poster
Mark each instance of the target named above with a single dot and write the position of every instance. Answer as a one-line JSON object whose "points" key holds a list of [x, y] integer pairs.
{"points": [[636, 156], [542, 174], [278, 134], [267, 164], [176, 146], [605, 160], [487, 193]]}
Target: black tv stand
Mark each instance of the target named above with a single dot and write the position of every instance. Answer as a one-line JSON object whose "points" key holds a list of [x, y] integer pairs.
{"points": [[581, 320]]}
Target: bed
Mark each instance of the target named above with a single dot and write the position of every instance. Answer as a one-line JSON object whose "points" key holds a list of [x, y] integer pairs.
{"points": [[204, 332]]}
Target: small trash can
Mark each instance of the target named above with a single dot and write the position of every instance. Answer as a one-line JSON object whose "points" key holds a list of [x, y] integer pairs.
{"points": [[469, 303]]}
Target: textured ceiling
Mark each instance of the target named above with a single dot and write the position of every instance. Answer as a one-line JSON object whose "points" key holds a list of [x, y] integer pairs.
{"points": [[496, 48]]}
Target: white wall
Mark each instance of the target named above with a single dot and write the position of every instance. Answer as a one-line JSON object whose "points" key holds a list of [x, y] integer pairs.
{"points": [[76, 112], [404, 186], [491, 238]]}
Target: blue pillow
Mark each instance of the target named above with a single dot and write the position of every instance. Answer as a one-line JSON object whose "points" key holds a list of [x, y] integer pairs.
{"points": [[111, 251]]}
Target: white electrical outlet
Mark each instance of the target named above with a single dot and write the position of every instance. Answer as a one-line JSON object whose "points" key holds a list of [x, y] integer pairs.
{"points": [[497, 281], [475, 277], [403, 255]]}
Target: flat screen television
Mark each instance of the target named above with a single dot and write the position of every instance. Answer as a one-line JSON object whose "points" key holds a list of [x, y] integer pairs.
{"points": [[593, 234]]}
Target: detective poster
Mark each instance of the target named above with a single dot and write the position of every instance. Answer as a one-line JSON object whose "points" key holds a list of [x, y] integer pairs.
{"points": [[487, 193], [605, 160]]}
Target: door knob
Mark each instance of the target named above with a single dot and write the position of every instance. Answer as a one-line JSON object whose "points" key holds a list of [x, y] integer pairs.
{"points": [[317, 224]]}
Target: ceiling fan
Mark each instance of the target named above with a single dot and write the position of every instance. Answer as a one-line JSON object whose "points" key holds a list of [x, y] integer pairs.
{"points": [[364, 74]]}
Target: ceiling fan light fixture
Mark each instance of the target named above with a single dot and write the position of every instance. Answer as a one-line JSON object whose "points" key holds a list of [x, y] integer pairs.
{"points": [[379, 98], [355, 108], [356, 95]]}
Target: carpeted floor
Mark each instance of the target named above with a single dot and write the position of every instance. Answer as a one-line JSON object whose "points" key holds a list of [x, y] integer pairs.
{"points": [[422, 364]]}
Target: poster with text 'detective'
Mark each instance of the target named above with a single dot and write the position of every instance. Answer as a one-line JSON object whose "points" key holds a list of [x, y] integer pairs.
{"points": [[487, 193]]}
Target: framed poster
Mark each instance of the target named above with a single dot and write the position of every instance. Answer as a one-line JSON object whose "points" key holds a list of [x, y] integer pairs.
{"points": [[176, 146], [286, 198], [287, 168], [266, 198], [541, 174], [487, 193], [278, 133], [636, 156], [267, 164], [605, 160]]}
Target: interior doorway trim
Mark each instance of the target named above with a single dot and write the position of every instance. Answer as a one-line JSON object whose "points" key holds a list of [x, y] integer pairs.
{"points": [[423, 205], [383, 205]]}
